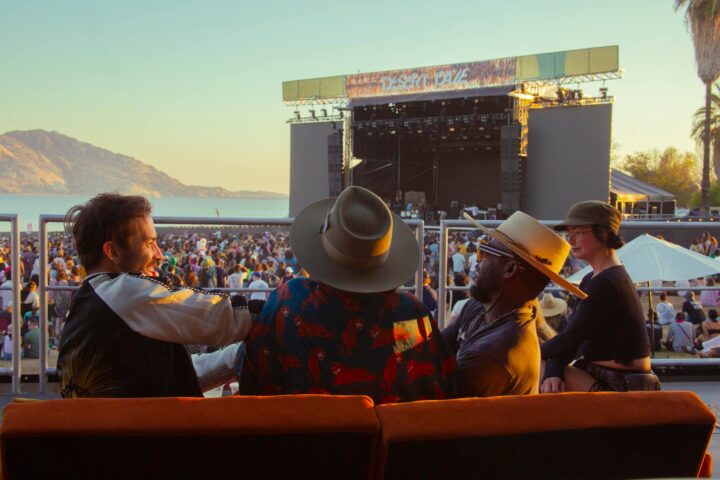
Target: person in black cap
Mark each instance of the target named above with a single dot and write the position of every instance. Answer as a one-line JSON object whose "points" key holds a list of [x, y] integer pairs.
{"points": [[608, 327]]}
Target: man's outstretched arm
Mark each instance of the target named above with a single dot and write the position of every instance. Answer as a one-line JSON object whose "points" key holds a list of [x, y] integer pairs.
{"points": [[154, 310]]}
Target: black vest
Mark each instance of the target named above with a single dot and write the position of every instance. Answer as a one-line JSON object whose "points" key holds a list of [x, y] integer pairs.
{"points": [[100, 356]]}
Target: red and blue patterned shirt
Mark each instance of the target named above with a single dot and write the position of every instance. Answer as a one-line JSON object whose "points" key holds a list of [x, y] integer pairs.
{"points": [[312, 338]]}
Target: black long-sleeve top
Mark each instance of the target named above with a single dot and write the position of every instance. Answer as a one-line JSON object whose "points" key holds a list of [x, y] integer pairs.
{"points": [[608, 325]]}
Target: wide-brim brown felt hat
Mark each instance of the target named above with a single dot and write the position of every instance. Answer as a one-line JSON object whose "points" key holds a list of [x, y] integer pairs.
{"points": [[354, 243], [536, 244]]}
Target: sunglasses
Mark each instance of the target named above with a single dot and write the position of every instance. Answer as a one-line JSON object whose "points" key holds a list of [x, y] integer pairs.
{"points": [[487, 249]]}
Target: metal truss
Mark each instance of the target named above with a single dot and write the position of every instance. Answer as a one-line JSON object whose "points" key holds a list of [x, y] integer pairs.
{"points": [[591, 77], [316, 119], [336, 101], [449, 121], [572, 102]]}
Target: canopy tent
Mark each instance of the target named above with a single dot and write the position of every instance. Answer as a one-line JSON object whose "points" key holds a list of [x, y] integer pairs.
{"points": [[630, 189], [627, 191], [647, 258]]}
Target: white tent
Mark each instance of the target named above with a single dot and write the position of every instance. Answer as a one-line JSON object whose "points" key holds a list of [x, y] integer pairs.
{"points": [[647, 258]]}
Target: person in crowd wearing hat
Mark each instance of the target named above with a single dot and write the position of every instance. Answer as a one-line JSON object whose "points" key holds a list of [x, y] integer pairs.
{"points": [[125, 333], [553, 309], [288, 275], [495, 337], [256, 281], [607, 327], [346, 329]]}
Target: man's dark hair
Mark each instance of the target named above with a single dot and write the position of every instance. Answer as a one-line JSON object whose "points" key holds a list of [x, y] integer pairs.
{"points": [[107, 216]]}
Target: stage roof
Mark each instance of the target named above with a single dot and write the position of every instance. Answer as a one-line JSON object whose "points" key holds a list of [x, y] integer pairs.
{"points": [[571, 66], [630, 189]]}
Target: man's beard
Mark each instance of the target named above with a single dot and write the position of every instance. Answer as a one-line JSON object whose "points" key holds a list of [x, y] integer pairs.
{"points": [[485, 285]]}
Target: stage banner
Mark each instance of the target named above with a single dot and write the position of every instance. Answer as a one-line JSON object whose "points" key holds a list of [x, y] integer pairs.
{"points": [[459, 76]]}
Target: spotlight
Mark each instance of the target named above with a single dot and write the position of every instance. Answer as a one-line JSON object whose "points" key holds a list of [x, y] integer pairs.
{"points": [[312, 113], [297, 114], [323, 112], [603, 92]]}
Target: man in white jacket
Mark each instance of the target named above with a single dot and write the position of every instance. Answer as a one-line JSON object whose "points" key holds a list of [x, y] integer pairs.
{"points": [[125, 334]]}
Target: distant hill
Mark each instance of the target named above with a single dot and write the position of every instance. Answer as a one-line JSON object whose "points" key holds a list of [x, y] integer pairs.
{"points": [[41, 162]]}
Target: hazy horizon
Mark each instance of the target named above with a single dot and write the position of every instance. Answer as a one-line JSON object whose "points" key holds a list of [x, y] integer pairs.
{"points": [[175, 84]]}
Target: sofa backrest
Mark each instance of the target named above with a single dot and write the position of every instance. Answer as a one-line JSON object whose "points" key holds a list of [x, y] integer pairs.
{"points": [[569, 435], [314, 436]]}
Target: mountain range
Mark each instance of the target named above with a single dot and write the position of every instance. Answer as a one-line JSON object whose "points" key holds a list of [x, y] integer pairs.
{"points": [[42, 162]]}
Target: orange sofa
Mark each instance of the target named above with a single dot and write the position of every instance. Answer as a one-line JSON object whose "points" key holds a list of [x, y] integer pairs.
{"points": [[571, 435]]}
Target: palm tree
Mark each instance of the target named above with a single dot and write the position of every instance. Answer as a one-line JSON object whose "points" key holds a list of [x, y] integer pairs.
{"points": [[703, 19], [698, 128]]}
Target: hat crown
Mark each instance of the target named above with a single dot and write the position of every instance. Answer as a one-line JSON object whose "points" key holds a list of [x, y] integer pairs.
{"points": [[592, 212], [547, 301], [362, 214], [541, 243], [359, 225]]}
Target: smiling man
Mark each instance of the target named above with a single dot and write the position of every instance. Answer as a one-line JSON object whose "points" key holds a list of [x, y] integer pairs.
{"points": [[125, 332], [495, 337]]}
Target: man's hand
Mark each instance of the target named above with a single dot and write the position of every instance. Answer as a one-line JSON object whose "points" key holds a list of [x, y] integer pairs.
{"points": [[552, 385]]}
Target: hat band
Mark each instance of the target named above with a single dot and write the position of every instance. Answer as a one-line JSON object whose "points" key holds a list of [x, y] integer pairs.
{"points": [[353, 263]]}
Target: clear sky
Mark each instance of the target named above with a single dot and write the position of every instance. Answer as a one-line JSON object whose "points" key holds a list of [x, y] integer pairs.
{"points": [[194, 87]]}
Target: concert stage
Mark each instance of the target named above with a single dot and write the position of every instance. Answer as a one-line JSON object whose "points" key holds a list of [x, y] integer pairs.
{"points": [[499, 135]]}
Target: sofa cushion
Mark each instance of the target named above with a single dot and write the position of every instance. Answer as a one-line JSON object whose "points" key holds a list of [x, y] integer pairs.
{"points": [[578, 435], [290, 436]]}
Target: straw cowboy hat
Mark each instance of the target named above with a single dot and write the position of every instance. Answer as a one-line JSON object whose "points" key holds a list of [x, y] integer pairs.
{"points": [[551, 306], [540, 247], [354, 243]]}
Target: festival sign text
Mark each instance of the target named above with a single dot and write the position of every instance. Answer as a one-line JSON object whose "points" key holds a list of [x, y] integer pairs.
{"points": [[460, 76]]}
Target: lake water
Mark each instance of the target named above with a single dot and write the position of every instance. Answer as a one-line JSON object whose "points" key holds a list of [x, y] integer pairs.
{"points": [[30, 207]]}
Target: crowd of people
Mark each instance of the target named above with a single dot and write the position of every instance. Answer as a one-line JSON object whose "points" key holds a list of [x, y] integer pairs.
{"points": [[215, 265], [207, 261]]}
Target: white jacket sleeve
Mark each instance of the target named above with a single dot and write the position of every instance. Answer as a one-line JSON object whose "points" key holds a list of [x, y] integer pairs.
{"points": [[152, 309], [217, 368]]}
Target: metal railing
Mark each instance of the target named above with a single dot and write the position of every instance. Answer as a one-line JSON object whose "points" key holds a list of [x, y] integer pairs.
{"points": [[16, 318], [443, 288], [446, 225], [43, 288]]}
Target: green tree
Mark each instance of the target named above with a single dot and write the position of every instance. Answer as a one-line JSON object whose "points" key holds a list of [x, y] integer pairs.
{"points": [[698, 129], [703, 19], [674, 171], [714, 196]]}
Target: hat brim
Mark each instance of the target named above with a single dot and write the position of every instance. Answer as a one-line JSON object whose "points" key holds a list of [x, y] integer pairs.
{"points": [[532, 261], [560, 306], [400, 266]]}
